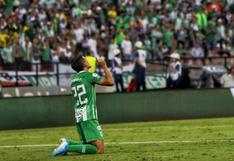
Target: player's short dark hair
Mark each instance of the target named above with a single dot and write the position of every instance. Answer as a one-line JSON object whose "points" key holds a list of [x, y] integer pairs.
{"points": [[77, 63]]}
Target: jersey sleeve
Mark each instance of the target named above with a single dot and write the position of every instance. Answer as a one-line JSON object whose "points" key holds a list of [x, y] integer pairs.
{"points": [[94, 78]]}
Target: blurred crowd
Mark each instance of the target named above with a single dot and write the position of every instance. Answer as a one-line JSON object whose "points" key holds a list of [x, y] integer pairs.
{"points": [[50, 31]]}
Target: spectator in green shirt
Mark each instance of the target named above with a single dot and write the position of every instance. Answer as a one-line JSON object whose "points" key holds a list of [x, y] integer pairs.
{"points": [[8, 6], [46, 57], [119, 37], [180, 49], [168, 38], [148, 47]]}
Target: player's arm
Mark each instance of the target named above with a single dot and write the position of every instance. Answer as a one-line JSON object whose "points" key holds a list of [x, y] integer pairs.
{"points": [[107, 80]]}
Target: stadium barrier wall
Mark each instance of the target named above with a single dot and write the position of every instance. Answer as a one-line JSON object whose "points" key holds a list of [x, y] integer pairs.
{"points": [[32, 112], [44, 91]]}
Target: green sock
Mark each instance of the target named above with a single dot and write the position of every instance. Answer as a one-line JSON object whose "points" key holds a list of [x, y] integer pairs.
{"points": [[82, 148], [71, 142]]}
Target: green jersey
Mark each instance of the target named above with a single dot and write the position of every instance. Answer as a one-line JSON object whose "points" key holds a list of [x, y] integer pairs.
{"points": [[83, 88]]}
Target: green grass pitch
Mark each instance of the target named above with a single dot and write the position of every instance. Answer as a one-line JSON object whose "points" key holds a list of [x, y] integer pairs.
{"points": [[186, 140]]}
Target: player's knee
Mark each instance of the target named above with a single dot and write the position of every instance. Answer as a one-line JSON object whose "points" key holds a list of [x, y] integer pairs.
{"points": [[100, 150], [99, 144]]}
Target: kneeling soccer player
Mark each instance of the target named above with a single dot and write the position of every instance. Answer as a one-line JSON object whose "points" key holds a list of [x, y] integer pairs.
{"points": [[83, 87]]}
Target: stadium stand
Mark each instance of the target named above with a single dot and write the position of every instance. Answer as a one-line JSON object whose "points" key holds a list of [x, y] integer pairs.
{"points": [[51, 31]]}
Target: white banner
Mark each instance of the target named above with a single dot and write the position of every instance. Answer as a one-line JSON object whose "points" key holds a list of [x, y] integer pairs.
{"points": [[8, 78], [232, 92]]}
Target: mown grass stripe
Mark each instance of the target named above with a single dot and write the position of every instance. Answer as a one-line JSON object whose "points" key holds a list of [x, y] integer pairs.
{"points": [[126, 143]]}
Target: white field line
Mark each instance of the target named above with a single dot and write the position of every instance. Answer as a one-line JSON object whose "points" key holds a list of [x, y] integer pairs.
{"points": [[28, 146], [158, 127], [125, 143]]}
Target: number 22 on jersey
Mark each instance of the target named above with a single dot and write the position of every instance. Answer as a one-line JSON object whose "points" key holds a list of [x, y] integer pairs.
{"points": [[79, 93]]}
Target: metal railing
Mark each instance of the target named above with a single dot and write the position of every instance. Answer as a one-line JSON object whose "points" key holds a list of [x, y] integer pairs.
{"points": [[155, 66]]}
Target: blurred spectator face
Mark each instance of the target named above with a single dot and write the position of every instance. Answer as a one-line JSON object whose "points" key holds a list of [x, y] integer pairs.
{"points": [[46, 43], [2, 2], [2, 23], [6, 31], [35, 41], [196, 45], [180, 45], [27, 40]]}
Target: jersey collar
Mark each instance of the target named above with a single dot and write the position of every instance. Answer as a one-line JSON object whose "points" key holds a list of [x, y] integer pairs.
{"points": [[82, 71]]}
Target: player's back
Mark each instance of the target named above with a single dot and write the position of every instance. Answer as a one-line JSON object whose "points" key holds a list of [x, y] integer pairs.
{"points": [[83, 89]]}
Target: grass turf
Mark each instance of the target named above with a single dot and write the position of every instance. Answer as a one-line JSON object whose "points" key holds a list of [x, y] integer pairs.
{"points": [[208, 140]]}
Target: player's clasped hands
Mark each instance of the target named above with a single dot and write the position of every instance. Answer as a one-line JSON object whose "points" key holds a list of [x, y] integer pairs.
{"points": [[101, 61]]}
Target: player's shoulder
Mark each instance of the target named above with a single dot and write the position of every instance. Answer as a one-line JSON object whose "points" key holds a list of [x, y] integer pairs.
{"points": [[85, 75], [95, 75], [75, 77], [88, 75], [80, 75]]}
